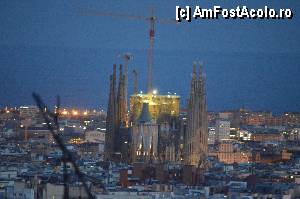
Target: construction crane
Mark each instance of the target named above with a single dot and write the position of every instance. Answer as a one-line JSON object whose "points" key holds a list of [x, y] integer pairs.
{"points": [[152, 19], [150, 55], [135, 76]]}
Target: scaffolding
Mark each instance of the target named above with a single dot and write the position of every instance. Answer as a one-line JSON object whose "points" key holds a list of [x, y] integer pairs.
{"points": [[159, 105]]}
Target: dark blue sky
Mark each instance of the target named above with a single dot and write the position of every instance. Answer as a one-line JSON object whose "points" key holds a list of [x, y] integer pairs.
{"points": [[51, 48]]}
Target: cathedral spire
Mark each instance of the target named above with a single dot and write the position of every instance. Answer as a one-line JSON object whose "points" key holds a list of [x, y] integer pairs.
{"points": [[197, 130], [116, 113], [200, 71], [121, 72], [110, 118], [194, 75], [121, 114], [114, 76]]}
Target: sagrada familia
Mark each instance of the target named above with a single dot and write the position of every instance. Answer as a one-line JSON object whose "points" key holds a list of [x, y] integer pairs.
{"points": [[155, 130], [196, 137]]}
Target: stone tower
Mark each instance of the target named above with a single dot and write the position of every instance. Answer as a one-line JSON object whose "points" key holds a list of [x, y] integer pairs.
{"points": [[116, 114], [110, 118], [196, 137], [121, 102]]}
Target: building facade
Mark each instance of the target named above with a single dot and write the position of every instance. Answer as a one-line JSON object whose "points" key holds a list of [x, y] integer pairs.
{"points": [[222, 130], [144, 137], [159, 105]]}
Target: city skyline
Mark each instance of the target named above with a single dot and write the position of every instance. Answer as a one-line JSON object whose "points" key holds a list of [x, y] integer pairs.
{"points": [[69, 54], [119, 99]]}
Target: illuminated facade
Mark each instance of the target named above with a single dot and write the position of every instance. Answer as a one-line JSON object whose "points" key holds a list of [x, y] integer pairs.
{"points": [[144, 137], [229, 154], [267, 137], [159, 105], [211, 135], [222, 130], [244, 135]]}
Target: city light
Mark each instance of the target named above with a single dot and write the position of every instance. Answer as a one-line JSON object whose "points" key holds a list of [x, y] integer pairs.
{"points": [[119, 134], [75, 113]]}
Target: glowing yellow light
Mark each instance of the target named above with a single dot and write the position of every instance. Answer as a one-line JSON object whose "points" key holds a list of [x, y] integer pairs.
{"points": [[154, 92], [64, 112], [7, 111], [85, 113], [75, 112]]}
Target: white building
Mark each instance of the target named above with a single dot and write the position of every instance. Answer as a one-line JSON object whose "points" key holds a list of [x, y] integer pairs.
{"points": [[244, 135], [29, 112], [95, 136], [29, 115], [211, 135], [222, 130], [294, 134]]}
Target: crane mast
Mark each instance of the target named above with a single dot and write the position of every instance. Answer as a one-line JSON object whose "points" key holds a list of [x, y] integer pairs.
{"points": [[150, 53], [135, 76], [152, 19]]}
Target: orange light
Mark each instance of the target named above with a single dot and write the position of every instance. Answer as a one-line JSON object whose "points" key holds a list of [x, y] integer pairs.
{"points": [[75, 112]]}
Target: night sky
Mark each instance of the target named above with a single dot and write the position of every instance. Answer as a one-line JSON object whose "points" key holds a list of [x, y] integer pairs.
{"points": [[52, 48]]}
